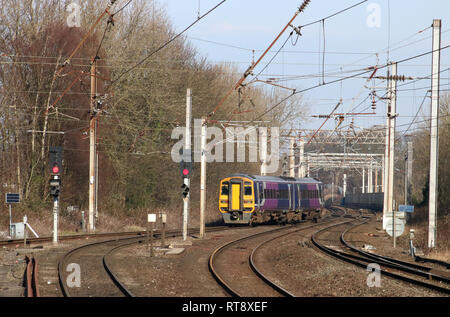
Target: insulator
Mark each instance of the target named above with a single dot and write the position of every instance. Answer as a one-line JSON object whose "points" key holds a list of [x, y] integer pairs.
{"points": [[397, 77], [303, 6]]}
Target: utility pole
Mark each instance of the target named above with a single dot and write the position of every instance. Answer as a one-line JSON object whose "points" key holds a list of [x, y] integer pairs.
{"points": [[332, 190], [386, 162], [291, 157], [203, 180], [408, 177], [187, 150], [263, 150], [307, 166], [409, 166], [301, 169], [92, 148], [390, 147], [434, 137], [392, 116], [363, 190], [96, 175], [376, 180], [382, 174], [344, 185]]}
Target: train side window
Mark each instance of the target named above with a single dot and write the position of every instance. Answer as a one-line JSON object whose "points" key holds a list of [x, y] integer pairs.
{"points": [[225, 190]]}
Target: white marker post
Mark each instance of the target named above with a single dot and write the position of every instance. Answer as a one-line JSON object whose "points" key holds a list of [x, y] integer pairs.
{"points": [[163, 236], [25, 231], [151, 218]]}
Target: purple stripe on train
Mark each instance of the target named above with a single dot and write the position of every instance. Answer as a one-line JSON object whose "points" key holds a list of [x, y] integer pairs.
{"points": [[271, 203]]}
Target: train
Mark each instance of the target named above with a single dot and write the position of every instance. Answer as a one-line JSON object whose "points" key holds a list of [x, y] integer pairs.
{"points": [[373, 201], [251, 199]]}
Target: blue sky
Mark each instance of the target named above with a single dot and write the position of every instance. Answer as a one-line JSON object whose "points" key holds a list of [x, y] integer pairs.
{"points": [[350, 43]]}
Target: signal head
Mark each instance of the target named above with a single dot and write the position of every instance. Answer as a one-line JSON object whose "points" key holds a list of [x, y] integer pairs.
{"points": [[55, 169]]}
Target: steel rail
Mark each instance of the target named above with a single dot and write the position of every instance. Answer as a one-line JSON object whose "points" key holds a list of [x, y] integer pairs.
{"points": [[78, 236], [361, 262], [439, 262], [220, 249], [265, 278], [411, 268], [113, 276], [31, 278], [107, 268], [63, 287], [70, 237]]}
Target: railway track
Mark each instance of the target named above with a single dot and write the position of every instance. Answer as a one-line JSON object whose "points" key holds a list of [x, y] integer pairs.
{"points": [[247, 272], [97, 266], [220, 260], [404, 271], [90, 258], [419, 270], [30, 241]]}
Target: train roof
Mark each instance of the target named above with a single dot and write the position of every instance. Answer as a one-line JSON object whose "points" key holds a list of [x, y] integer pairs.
{"points": [[306, 180]]}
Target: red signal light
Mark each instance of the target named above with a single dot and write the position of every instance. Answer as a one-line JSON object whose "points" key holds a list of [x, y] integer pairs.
{"points": [[185, 172], [55, 169]]}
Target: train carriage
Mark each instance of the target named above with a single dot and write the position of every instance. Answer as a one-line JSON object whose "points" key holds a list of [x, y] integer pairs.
{"points": [[248, 199]]}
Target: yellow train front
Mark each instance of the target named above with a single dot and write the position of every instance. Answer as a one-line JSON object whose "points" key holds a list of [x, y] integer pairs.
{"points": [[247, 199]]}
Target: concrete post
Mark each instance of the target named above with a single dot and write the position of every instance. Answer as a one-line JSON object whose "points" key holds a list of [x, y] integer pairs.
{"points": [[434, 137]]}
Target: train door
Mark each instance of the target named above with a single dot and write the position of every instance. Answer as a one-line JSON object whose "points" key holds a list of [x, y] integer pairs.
{"points": [[236, 195]]}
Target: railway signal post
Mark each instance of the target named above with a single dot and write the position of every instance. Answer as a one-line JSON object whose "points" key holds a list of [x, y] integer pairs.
{"points": [[55, 161], [292, 146], [203, 180], [186, 170]]}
